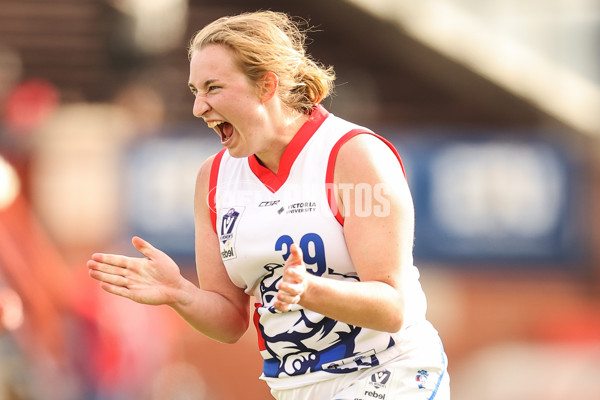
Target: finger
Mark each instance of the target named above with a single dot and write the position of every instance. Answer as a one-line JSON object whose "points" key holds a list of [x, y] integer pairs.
{"points": [[111, 259], [282, 306], [287, 298], [294, 273], [118, 280], [295, 257], [292, 289], [142, 246], [114, 289], [106, 268], [99, 257]]}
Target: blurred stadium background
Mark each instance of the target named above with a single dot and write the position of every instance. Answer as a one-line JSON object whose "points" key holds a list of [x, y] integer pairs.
{"points": [[494, 107]]}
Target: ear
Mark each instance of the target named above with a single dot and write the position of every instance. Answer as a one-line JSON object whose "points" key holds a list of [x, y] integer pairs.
{"points": [[268, 86]]}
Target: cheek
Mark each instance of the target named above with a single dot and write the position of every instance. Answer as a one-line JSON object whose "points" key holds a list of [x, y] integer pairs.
{"points": [[250, 113]]}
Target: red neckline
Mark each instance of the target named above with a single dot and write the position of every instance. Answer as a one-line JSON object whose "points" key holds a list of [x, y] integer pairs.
{"points": [[274, 181]]}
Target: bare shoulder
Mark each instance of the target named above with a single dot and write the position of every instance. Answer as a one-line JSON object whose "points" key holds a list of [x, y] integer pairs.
{"points": [[202, 188], [203, 176], [364, 155], [205, 168]]}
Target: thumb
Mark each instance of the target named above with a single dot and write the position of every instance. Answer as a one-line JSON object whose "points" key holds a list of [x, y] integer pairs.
{"points": [[295, 255], [142, 246]]}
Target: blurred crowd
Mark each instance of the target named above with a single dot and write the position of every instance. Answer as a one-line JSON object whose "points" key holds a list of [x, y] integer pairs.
{"points": [[61, 337]]}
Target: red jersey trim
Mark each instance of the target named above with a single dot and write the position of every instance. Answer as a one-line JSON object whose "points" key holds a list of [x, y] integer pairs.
{"points": [[256, 318], [274, 181], [331, 193], [212, 187]]}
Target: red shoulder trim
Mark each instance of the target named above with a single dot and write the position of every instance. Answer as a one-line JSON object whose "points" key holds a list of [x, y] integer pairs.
{"points": [[212, 187], [331, 194], [274, 181]]}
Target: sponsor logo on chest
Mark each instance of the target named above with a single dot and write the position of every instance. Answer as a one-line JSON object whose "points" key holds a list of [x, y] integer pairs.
{"points": [[290, 207], [301, 207]]}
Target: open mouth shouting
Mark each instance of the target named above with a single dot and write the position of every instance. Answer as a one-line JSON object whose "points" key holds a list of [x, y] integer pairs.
{"points": [[224, 129]]}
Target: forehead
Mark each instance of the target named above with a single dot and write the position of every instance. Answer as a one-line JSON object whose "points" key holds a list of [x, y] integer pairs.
{"points": [[214, 61]]}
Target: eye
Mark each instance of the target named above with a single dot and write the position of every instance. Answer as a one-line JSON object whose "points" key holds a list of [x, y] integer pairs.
{"points": [[212, 88], [194, 91]]}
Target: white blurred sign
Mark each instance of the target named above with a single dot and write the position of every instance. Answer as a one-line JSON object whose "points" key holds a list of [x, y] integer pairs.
{"points": [[497, 190], [160, 183]]}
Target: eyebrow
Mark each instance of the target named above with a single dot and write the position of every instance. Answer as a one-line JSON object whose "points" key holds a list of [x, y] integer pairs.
{"points": [[206, 84]]}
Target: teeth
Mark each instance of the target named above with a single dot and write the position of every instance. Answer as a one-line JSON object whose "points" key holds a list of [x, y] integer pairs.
{"points": [[212, 124]]}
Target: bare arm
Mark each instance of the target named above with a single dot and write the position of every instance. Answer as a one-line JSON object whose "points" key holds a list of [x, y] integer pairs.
{"points": [[229, 305], [218, 309], [380, 244]]}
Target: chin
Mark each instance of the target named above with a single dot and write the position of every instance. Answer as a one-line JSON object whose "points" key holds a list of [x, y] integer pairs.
{"points": [[238, 153]]}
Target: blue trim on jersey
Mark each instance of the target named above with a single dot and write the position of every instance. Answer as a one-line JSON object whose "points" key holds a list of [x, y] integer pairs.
{"points": [[271, 367], [335, 354], [439, 381]]}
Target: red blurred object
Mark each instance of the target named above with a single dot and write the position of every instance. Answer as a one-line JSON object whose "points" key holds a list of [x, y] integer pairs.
{"points": [[30, 104]]}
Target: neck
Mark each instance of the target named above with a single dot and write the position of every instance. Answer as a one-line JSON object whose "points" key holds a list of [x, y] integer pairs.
{"points": [[284, 133]]}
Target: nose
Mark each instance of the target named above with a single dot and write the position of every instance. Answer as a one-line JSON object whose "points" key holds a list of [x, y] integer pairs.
{"points": [[200, 106]]}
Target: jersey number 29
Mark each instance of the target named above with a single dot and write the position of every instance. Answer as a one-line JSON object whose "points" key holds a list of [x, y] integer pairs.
{"points": [[312, 248]]}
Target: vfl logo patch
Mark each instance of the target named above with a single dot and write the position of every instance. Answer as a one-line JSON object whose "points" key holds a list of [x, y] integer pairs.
{"points": [[377, 387], [379, 379], [227, 237], [227, 224]]}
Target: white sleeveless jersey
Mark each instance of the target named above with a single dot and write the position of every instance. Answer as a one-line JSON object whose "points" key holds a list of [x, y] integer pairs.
{"points": [[257, 215]]}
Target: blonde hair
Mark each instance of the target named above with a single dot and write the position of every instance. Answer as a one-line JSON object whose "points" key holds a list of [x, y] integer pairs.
{"points": [[268, 41]]}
